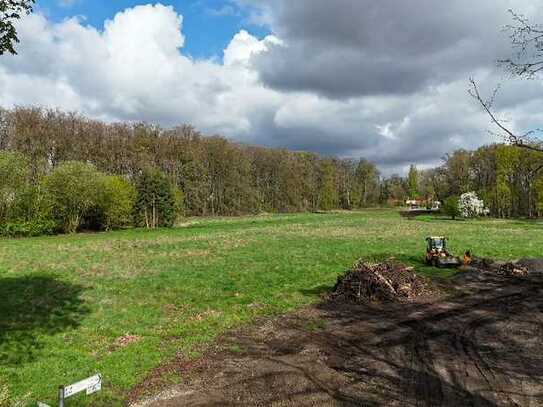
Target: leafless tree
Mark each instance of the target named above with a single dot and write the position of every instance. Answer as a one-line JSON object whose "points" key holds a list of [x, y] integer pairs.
{"points": [[526, 140], [527, 62], [527, 41]]}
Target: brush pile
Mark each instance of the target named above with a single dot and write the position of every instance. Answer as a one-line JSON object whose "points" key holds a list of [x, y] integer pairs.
{"points": [[508, 269], [512, 270], [387, 281], [534, 266]]}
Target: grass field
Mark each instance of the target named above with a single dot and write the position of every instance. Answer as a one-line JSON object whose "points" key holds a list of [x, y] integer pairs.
{"points": [[65, 301]]}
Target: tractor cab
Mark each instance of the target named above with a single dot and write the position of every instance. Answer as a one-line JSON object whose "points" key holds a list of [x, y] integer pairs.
{"points": [[437, 244], [437, 254]]}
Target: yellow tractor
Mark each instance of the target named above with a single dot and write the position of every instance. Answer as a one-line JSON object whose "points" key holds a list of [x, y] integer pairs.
{"points": [[437, 254]]}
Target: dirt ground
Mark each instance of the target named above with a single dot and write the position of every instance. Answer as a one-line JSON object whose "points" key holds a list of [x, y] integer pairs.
{"points": [[481, 344]]}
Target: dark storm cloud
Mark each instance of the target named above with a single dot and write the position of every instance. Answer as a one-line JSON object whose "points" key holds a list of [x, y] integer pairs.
{"points": [[347, 48], [406, 64]]}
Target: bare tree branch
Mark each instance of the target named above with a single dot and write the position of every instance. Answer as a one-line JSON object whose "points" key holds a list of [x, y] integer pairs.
{"points": [[527, 39], [522, 141]]}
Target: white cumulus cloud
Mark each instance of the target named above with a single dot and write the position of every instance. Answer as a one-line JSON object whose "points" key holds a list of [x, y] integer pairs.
{"points": [[135, 69]]}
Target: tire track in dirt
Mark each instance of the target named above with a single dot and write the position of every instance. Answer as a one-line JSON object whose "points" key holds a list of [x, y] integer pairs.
{"points": [[426, 388], [481, 346]]}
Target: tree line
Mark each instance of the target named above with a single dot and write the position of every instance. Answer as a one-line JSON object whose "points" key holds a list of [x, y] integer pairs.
{"points": [[144, 175], [508, 178], [205, 176]]}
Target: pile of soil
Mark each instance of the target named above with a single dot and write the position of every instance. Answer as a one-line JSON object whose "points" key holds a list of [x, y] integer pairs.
{"points": [[387, 281]]}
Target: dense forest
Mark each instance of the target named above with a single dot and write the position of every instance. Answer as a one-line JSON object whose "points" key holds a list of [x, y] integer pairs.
{"points": [[214, 176]]}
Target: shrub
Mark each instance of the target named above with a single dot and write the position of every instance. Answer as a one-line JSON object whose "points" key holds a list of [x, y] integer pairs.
{"points": [[14, 175], [37, 227], [179, 202], [31, 204], [73, 191], [470, 206], [450, 207], [155, 202], [117, 202]]}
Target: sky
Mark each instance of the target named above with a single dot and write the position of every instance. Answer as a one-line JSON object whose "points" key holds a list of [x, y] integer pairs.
{"points": [[385, 80]]}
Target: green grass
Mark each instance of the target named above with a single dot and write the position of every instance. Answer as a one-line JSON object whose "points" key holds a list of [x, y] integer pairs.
{"points": [[65, 300]]}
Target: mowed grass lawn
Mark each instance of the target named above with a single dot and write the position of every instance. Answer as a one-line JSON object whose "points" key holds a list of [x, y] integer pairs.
{"points": [[65, 300]]}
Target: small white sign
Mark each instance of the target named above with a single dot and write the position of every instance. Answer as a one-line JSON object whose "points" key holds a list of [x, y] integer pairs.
{"points": [[90, 385], [40, 404], [95, 388]]}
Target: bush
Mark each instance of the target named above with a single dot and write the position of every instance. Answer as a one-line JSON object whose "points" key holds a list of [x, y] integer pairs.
{"points": [[14, 176], [28, 229], [73, 191], [117, 202], [450, 207], [470, 206], [179, 202], [156, 201], [31, 204]]}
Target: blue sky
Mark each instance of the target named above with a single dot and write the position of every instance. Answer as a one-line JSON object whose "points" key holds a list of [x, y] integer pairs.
{"points": [[208, 25]]}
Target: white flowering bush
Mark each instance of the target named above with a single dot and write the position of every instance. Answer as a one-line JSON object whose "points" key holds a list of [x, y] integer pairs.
{"points": [[470, 206]]}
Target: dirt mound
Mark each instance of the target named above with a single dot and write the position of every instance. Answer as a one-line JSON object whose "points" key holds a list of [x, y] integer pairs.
{"points": [[533, 265], [387, 281]]}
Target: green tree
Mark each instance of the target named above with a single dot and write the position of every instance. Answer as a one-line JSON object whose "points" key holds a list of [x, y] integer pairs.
{"points": [[426, 188], [393, 190], [14, 177], [117, 201], [367, 182], [507, 161], [155, 202], [539, 195], [73, 190], [450, 207], [328, 194], [179, 201], [10, 11], [458, 170], [413, 182]]}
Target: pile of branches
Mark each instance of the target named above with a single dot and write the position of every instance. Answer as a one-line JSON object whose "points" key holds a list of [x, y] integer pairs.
{"points": [[512, 270], [534, 265], [387, 281], [503, 269]]}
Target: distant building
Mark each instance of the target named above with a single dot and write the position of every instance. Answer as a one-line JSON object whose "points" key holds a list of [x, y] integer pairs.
{"points": [[414, 203], [422, 204]]}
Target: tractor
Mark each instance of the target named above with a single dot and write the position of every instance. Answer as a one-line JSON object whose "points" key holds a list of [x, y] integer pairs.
{"points": [[437, 254]]}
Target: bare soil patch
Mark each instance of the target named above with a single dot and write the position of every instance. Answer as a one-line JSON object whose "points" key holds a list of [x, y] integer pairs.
{"points": [[479, 345]]}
